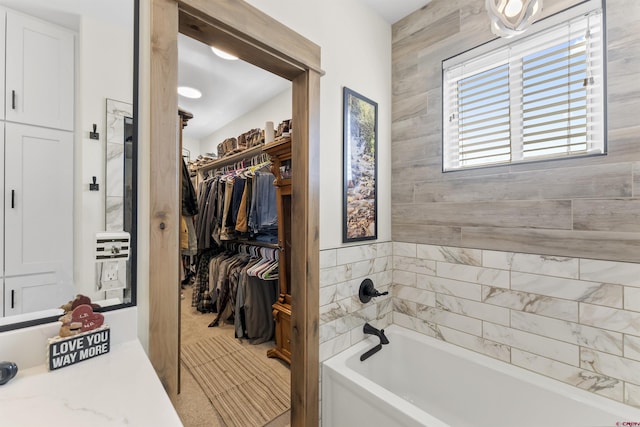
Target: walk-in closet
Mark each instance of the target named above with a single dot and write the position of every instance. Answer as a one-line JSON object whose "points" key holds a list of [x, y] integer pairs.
{"points": [[235, 245]]}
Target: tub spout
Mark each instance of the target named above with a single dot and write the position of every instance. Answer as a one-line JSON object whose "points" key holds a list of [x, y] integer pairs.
{"points": [[368, 329]]}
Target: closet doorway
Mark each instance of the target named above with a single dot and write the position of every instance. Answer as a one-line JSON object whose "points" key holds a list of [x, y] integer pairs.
{"points": [[244, 31]]}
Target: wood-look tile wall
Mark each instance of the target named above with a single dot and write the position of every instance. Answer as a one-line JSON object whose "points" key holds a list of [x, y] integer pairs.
{"points": [[587, 207]]}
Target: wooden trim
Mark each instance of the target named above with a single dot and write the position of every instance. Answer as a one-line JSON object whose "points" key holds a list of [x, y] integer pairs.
{"points": [[164, 216], [262, 41], [258, 31], [305, 267]]}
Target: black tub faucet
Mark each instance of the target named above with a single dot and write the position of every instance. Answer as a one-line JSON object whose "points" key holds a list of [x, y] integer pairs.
{"points": [[368, 329]]}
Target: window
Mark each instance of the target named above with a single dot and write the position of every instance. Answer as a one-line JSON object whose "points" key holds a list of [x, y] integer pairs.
{"points": [[536, 98]]}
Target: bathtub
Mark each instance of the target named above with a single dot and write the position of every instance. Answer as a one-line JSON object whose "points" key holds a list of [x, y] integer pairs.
{"points": [[421, 381]]}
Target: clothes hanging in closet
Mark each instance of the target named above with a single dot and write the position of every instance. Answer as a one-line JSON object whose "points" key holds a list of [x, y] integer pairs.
{"points": [[239, 203]]}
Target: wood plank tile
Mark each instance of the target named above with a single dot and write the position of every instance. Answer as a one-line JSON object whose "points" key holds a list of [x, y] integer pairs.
{"points": [[554, 214], [607, 215], [419, 233], [615, 246]]}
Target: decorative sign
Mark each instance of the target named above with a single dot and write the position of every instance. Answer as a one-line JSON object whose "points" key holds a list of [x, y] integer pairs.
{"points": [[69, 351]]}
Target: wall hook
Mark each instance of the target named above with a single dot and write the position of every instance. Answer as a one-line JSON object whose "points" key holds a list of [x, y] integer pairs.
{"points": [[94, 186], [94, 134]]}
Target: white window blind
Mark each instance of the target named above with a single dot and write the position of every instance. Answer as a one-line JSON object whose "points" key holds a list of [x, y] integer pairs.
{"points": [[539, 97]]}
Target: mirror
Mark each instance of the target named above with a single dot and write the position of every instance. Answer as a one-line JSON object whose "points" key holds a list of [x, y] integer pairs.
{"points": [[69, 82]]}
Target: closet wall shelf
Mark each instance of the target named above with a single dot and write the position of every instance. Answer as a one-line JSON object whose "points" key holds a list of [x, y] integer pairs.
{"points": [[234, 158]]}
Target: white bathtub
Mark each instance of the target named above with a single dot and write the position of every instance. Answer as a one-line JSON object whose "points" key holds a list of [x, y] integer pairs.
{"points": [[420, 381]]}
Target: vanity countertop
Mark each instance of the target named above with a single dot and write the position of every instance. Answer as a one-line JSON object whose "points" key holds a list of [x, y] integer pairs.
{"points": [[117, 389]]}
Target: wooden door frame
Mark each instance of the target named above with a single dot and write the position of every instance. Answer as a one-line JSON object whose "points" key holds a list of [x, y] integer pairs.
{"points": [[253, 36]]}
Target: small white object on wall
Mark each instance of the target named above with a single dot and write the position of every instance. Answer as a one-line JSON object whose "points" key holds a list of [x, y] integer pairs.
{"points": [[112, 253]]}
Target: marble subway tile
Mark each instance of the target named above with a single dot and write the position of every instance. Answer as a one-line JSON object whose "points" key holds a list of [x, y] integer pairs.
{"points": [[468, 273], [575, 376], [383, 278], [384, 307], [327, 295], [450, 254], [417, 325], [404, 249], [406, 278], [328, 258], [384, 249], [575, 290], [383, 264], [547, 347], [114, 213], [351, 254], [452, 320], [356, 335], [531, 303], [456, 288], [529, 263], [632, 394], [632, 347], [334, 346], [347, 289], [408, 308], [334, 311], [414, 265], [327, 331], [333, 275], [607, 364], [573, 333], [622, 273], [476, 343], [627, 322], [415, 295], [477, 310], [631, 298], [362, 269]]}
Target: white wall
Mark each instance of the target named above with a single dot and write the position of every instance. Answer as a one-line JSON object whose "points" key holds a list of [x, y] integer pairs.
{"points": [[105, 70], [275, 110], [356, 52]]}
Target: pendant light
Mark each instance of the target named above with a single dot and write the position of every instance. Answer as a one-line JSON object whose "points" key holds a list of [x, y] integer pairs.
{"points": [[512, 17]]}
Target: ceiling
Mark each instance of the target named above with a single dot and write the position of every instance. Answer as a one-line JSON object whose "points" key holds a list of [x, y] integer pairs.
{"points": [[231, 89]]}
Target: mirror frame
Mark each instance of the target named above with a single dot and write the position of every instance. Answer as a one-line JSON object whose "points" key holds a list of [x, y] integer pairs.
{"points": [[134, 195]]}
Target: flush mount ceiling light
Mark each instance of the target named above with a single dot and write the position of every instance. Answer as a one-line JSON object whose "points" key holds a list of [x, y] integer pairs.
{"points": [[224, 55], [189, 92], [512, 17]]}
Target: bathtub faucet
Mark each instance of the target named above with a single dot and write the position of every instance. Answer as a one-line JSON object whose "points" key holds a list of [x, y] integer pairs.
{"points": [[368, 329]]}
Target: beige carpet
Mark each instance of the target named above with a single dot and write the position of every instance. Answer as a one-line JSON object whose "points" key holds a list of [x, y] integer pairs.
{"points": [[244, 390]]}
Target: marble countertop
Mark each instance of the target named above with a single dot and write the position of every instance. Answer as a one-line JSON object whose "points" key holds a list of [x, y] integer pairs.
{"points": [[117, 389]]}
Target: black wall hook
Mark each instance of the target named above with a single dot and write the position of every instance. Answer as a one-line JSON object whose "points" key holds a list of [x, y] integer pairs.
{"points": [[94, 186], [94, 134]]}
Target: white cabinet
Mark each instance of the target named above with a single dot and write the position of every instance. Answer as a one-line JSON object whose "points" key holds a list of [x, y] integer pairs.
{"points": [[38, 213], [39, 72], [26, 294], [36, 236]]}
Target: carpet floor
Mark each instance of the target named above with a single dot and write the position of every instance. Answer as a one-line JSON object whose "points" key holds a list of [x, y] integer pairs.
{"points": [[195, 403]]}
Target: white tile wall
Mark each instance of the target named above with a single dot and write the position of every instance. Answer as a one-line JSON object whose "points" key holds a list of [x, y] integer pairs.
{"points": [[575, 320], [342, 315]]}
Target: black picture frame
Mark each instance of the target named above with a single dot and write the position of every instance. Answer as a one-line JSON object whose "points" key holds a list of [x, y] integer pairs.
{"points": [[360, 167]]}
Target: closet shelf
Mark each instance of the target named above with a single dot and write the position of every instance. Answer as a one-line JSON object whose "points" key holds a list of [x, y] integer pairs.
{"points": [[234, 158]]}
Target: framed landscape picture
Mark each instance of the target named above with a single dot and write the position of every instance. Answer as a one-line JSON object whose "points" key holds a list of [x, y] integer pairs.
{"points": [[360, 167]]}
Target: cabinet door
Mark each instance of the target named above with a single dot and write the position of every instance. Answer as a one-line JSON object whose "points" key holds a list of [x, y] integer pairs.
{"points": [[40, 72], [38, 201], [26, 294]]}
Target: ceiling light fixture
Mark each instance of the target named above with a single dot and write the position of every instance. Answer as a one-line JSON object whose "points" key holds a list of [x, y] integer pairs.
{"points": [[189, 92], [512, 17], [224, 55]]}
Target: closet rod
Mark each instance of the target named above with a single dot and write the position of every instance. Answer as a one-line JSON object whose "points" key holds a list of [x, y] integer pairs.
{"points": [[234, 158], [253, 243]]}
